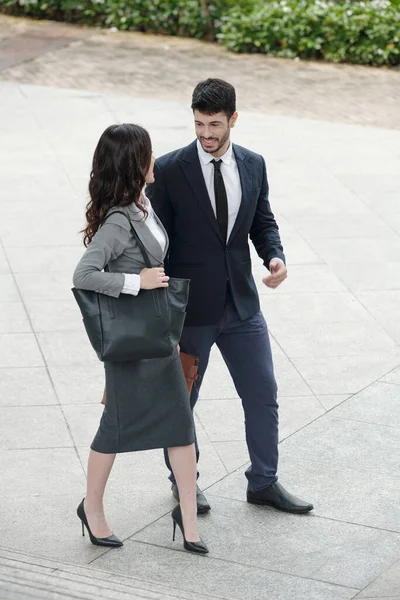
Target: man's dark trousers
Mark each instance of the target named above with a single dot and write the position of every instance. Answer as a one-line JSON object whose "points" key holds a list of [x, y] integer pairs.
{"points": [[246, 350]]}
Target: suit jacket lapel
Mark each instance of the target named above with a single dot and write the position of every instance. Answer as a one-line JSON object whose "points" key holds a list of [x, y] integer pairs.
{"points": [[165, 233], [245, 168], [191, 168], [146, 237]]}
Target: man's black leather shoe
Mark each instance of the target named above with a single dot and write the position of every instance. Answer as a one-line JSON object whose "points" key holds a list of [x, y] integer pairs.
{"points": [[276, 496], [202, 504]]}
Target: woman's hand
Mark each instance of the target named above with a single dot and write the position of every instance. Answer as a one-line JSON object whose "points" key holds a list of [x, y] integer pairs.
{"points": [[153, 278]]}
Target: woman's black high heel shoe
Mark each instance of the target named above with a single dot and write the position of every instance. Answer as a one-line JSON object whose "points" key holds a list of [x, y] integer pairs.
{"points": [[198, 547], [111, 541]]}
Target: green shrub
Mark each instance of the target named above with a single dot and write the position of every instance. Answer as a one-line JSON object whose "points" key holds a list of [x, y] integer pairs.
{"points": [[356, 32], [170, 17], [361, 32]]}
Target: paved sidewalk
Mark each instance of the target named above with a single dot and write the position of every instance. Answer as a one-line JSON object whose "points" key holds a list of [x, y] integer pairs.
{"points": [[166, 68], [335, 331]]}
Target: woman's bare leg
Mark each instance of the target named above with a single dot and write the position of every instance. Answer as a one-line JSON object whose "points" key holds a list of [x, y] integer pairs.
{"points": [[183, 463], [99, 468]]}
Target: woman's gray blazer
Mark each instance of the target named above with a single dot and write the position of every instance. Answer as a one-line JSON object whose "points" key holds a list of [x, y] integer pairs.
{"points": [[115, 246]]}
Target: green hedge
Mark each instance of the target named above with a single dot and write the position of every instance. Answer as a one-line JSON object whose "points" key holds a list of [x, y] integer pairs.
{"points": [[170, 17], [359, 32], [362, 32]]}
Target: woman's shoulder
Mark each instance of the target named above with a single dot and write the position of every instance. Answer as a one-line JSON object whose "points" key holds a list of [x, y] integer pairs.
{"points": [[118, 215]]}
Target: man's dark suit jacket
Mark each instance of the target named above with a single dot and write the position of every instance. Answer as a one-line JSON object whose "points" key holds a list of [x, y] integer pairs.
{"points": [[197, 250]]}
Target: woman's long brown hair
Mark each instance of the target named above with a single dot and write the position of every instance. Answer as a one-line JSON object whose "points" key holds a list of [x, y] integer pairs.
{"points": [[120, 164]]}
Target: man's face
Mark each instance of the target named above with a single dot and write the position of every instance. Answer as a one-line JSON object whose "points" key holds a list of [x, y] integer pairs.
{"points": [[213, 131]]}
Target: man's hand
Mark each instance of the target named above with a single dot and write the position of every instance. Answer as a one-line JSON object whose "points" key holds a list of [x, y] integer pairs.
{"points": [[277, 275]]}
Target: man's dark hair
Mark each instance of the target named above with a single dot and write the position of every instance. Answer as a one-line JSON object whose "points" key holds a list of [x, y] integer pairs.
{"points": [[213, 96]]}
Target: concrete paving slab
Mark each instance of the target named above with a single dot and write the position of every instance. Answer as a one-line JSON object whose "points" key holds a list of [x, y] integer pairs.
{"points": [[4, 265], [314, 308], [384, 306], [25, 386], [54, 315], [364, 186], [392, 377], [344, 443], [379, 403], [372, 249], [365, 277], [66, 348], [337, 492], [33, 427], [224, 578], [45, 285], [290, 382], [234, 455], [84, 384], [44, 259], [42, 472], [13, 318], [343, 226], [303, 546], [19, 350], [302, 279], [222, 419], [49, 526], [329, 401], [8, 289], [345, 374], [385, 586], [300, 339]]}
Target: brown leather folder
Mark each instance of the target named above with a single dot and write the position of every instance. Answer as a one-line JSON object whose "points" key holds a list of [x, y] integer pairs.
{"points": [[190, 366]]}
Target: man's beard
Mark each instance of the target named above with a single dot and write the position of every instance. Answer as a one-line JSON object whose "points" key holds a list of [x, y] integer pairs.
{"points": [[220, 143]]}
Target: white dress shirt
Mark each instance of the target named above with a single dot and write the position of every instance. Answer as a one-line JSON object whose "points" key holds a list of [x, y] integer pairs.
{"points": [[132, 281], [231, 177]]}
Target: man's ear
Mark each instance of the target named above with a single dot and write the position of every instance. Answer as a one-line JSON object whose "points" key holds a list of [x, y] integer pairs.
{"points": [[233, 119]]}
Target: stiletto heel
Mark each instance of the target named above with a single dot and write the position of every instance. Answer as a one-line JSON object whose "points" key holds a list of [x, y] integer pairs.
{"points": [[198, 547], [111, 541], [173, 534]]}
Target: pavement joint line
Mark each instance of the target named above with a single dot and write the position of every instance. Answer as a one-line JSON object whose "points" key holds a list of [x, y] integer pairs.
{"points": [[369, 471], [342, 418], [248, 565], [388, 382], [211, 442], [373, 581], [375, 215], [377, 380], [381, 325], [358, 299], [311, 515]]}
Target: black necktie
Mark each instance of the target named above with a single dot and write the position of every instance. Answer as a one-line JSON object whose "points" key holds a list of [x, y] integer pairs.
{"points": [[221, 200]]}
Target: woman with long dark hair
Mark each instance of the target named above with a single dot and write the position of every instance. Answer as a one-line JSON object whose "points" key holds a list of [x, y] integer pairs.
{"points": [[147, 402]]}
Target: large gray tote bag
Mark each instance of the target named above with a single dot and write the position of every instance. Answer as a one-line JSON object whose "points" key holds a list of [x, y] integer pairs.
{"points": [[126, 328]]}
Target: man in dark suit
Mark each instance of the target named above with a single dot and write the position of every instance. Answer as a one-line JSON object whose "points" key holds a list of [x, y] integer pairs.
{"points": [[211, 196]]}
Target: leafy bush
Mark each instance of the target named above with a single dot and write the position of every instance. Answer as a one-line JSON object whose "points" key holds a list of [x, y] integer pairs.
{"points": [[171, 17], [362, 32], [357, 32]]}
